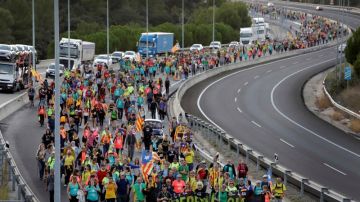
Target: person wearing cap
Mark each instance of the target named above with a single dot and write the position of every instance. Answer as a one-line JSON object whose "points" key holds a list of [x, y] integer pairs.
{"points": [[178, 185], [257, 191], [265, 181]]}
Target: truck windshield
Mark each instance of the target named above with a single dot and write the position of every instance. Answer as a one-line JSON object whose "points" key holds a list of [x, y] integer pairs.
{"points": [[143, 44], [6, 69], [245, 35], [74, 53], [260, 31], [65, 63]]}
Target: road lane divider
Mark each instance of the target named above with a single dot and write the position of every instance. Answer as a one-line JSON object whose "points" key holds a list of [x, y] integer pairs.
{"points": [[289, 176], [246, 83], [256, 124], [239, 109], [333, 168], [268, 71], [287, 143], [298, 124], [235, 99], [239, 90]]}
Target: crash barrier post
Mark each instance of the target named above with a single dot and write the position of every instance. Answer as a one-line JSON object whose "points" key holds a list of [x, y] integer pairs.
{"points": [[273, 168]]}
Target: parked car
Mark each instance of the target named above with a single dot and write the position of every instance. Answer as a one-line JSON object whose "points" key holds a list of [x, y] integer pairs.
{"points": [[117, 56], [196, 47], [130, 55], [342, 47], [7, 53], [102, 59], [215, 44], [50, 71], [157, 127]]}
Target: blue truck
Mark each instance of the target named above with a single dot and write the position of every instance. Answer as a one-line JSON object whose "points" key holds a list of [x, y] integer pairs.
{"points": [[155, 43]]}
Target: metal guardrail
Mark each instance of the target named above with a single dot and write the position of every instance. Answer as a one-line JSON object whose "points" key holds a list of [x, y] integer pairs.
{"points": [[335, 104], [13, 176], [304, 184]]}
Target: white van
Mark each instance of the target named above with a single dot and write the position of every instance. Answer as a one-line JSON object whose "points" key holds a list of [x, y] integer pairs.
{"points": [[258, 21]]}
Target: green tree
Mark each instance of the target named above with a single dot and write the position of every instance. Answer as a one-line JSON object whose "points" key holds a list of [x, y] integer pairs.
{"points": [[357, 66], [353, 47], [5, 26]]}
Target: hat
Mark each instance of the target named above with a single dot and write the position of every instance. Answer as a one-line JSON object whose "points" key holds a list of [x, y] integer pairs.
{"points": [[265, 176], [178, 175], [203, 161]]}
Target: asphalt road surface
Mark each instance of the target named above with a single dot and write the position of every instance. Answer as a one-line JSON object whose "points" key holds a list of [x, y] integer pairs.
{"points": [[263, 107]]}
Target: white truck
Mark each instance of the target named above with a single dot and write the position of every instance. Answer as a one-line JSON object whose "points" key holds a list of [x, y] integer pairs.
{"points": [[80, 52], [246, 36], [260, 30]]}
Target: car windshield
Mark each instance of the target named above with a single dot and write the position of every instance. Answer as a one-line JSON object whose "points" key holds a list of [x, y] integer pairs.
{"points": [[53, 67], [116, 54], [154, 124], [215, 43], [5, 47], [196, 45], [64, 52], [20, 48], [104, 57], [6, 69], [260, 31], [144, 44], [129, 53]]}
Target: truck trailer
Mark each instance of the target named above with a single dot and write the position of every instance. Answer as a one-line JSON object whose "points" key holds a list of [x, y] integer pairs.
{"points": [[155, 43], [80, 52]]}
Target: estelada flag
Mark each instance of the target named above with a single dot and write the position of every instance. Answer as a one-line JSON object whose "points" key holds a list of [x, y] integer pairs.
{"points": [[146, 164], [175, 48], [139, 123]]}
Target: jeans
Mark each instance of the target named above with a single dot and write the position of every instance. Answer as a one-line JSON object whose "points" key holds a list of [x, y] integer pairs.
{"points": [[41, 165]]}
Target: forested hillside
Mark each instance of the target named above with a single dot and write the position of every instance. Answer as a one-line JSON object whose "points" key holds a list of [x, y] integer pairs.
{"points": [[127, 20]]}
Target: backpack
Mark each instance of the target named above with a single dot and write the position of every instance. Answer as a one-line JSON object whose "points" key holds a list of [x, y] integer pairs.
{"points": [[113, 114]]}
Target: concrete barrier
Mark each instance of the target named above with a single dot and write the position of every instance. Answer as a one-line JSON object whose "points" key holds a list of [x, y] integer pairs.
{"points": [[13, 105]]}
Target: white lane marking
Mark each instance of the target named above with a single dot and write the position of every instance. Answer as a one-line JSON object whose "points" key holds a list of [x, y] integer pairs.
{"points": [[256, 124], [321, 55], [337, 170], [287, 143], [294, 63], [282, 67], [268, 71], [235, 99], [308, 59], [239, 110], [237, 72], [299, 125], [257, 76], [246, 83], [238, 91]]}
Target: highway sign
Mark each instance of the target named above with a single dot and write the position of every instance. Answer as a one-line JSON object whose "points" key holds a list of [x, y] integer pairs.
{"points": [[347, 75]]}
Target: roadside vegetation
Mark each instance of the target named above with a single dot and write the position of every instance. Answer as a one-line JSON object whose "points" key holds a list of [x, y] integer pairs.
{"points": [[347, 93], [127, 20]]}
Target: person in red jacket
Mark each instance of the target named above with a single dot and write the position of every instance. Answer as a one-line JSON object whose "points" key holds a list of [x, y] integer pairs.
{"points": [[242, 169]]}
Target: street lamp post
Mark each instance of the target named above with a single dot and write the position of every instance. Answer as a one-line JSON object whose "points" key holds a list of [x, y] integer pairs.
{"points": [[68, 19], [33, 34], [147, 29], [213, 18], [107, 31], [57, 190], [182, 26]]}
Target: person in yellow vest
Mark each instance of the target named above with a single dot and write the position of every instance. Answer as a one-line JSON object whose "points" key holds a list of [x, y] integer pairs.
{"points": [[278, 190]]}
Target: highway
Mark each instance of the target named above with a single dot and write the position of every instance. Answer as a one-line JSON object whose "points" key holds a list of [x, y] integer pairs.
{"points": [[6, 96], [262, 106]]}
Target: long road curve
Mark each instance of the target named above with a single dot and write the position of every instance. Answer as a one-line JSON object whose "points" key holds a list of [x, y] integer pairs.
{"points": [[263, 107]]}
